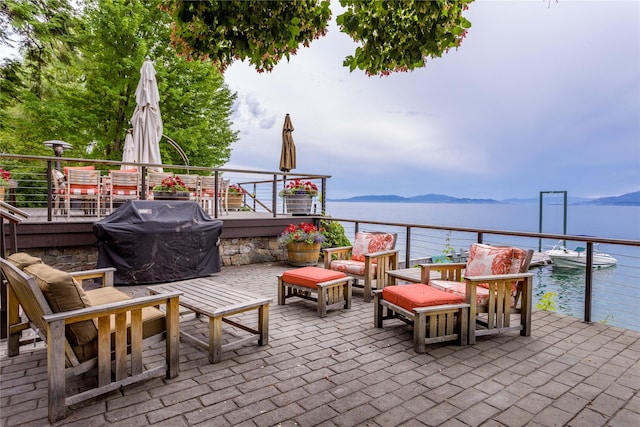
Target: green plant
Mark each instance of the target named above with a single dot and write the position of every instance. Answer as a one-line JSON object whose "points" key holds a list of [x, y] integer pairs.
{"points": [[334, 235], [606, 319], [448, 249], [236, 189], [547, 302]]}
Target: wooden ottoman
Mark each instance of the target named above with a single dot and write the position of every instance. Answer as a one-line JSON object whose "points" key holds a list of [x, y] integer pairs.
{"points": [[330, 287], [436, 315]]}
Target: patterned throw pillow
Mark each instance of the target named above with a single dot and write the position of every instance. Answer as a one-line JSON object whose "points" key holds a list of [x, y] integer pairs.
{"points": [[485, 260], [367, 243]]}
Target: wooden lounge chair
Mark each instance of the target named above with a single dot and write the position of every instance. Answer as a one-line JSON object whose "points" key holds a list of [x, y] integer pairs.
{"points": [[494, 290], [106, 337], [370, 257]]}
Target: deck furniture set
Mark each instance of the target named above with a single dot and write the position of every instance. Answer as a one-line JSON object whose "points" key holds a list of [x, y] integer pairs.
{"points": [[98, 193], [104, 328]]}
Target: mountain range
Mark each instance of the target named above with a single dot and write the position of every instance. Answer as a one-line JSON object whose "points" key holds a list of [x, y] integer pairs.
{"points": [[628, 199]]}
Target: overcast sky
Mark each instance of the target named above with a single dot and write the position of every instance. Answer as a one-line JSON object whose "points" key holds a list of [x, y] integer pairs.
{"points": [[539, 97]]}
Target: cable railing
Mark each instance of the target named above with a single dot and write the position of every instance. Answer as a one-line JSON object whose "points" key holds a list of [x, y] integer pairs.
{"points": [[34, 187], [610, 295]]}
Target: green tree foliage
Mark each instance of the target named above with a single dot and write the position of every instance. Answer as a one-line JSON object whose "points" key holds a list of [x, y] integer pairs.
{"points": [[90, 97], [401, 35], [262, 31], [391, 35]]}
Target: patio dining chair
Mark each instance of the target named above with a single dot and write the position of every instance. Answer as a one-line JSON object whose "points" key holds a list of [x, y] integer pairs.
{"points": [[207, 196], [495, 283], [83, 184], [370, 257], [191, 182], [123, 185], [153, 179]]}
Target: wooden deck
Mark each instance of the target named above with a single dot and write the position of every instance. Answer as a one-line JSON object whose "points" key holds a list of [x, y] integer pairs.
{"points": [[77, 229]]}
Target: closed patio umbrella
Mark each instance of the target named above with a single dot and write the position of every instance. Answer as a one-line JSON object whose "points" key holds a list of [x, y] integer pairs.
{"points": [[288, 154], [146, 120], [128, 151]]}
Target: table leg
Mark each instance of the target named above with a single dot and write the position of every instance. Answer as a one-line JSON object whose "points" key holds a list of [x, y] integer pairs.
{"points": [[263, 324], [215, 339]]}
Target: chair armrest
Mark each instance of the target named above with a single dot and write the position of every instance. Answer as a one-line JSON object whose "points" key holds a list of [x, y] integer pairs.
{"points": [[497, 278], [451, 271], [381, 254], [74, 316], [106, 274], [340, 253]]}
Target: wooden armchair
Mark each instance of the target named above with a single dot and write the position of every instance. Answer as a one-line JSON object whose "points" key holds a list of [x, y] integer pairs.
{"points": [[105, 335], [370, 257], [494, 282]]}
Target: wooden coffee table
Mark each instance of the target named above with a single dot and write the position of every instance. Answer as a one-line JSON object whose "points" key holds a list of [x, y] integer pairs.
{"points": [[205, 297]]}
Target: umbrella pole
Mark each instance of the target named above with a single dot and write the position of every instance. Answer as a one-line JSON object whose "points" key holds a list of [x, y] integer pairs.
{"points": [[284, 184]]}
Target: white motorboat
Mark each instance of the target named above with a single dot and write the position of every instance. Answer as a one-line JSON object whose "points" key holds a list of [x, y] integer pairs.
{"points": [[563, 257]]}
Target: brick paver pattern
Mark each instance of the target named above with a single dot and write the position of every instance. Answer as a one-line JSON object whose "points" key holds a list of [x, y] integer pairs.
{"points": [[342, 371]]}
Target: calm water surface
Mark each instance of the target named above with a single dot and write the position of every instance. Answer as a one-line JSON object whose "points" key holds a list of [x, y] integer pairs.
{"points": [[616, 293]]}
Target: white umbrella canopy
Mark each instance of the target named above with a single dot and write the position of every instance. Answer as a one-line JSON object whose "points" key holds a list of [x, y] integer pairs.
{"points": [[146, 120], [128, 150]]}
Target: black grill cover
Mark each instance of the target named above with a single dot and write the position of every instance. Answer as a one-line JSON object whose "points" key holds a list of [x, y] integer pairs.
{"points": [[158, 241]]}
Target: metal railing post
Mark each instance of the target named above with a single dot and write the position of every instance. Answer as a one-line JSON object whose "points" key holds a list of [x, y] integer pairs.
{"points": [[407, 248], [274, 196], [588, 285], [143, 183], [216, 196], [49, 191]]}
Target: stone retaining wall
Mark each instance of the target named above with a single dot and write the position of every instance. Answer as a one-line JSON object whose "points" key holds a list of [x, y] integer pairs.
{"points": [[241, 251]]}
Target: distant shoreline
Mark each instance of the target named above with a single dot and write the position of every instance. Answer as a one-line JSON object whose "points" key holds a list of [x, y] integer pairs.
{"points": [[628, 199]]}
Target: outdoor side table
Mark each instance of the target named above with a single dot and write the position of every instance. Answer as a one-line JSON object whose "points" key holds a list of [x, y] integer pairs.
{"points": [[205, 297]]}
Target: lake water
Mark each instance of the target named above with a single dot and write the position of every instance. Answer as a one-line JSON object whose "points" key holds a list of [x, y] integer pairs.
{"points": [[616, 290]]}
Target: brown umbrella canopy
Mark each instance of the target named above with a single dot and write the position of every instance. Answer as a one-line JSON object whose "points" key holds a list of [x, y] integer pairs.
{"points": [[288, 154]]}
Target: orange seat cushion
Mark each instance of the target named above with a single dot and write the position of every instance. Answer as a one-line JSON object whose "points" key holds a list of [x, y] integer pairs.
{"points": [[309, 277], [418, 295]]}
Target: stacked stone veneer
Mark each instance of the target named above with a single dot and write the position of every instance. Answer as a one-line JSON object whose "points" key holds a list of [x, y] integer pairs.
{"points": [[251, 250], [243, 251]]}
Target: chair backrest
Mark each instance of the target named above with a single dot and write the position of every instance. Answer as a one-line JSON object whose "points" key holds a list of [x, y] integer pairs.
{"points": [[83, 178], [155, 178], [372, 241], [491, 260], [29, 295], [190, 181], [122, 181], [57, 178], [208, 182]]}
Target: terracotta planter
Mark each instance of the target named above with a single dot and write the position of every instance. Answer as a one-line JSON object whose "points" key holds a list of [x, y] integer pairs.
{"points": [[303, 254], [298, 203], [170, 195], [234, 201]]}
